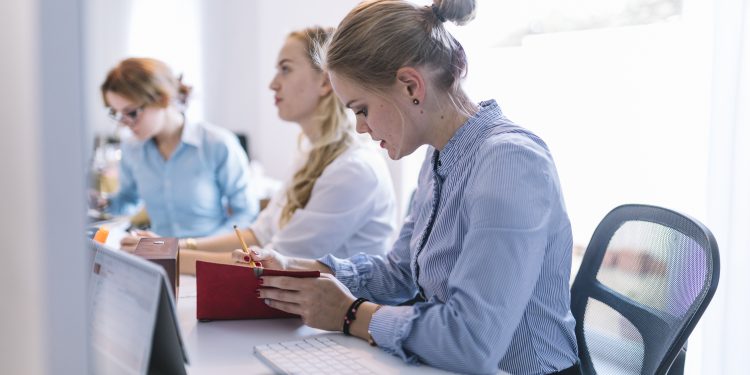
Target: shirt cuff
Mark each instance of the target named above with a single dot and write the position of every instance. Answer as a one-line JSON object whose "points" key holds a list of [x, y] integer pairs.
{"points": [[390, 326], [353, 272]]}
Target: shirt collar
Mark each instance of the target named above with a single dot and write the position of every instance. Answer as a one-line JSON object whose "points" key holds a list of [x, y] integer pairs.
{"points": [[191, 134], [465, 136]]}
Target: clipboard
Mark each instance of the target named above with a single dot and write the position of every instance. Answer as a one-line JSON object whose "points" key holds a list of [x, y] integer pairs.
{"points": [[227, 292]]}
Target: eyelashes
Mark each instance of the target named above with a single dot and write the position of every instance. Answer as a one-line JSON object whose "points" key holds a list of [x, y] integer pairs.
{"points": [[362, 112]]}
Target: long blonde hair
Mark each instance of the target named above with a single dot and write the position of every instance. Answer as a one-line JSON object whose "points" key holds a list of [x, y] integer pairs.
{"points": [[337, 131], [379, 37]]}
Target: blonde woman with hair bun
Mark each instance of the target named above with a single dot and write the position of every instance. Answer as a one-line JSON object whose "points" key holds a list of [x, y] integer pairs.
{"points": [[339, 200], [478, 279]]}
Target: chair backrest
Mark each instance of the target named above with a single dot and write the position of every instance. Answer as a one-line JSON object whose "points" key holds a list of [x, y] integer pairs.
{"points": [[645, 280], [243, 138]]}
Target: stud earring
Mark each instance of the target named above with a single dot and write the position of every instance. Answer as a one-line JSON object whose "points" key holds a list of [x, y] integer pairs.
{"points": [[415, 101]]}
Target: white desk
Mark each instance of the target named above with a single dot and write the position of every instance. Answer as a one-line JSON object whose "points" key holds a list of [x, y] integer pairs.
{"points": [[117, 227], [226, 347]]}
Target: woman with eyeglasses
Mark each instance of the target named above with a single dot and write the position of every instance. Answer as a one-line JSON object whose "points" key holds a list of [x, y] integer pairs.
{"points": [[191, 176]]}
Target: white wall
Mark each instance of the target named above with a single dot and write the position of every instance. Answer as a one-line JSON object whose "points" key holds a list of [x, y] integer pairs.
{"points": [[623, 110], [726, 326], [230, 65], [242, 40], [107, 24], [20, 344], [62, 215], [42, 274]]}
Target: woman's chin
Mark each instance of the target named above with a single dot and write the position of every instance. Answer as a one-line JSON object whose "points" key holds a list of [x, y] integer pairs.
{"points": [[392, 154], [141, 136], [396, 153], [286, 116]]}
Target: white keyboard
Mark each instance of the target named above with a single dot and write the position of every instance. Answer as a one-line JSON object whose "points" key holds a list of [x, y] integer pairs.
{"points": [[317, 355]]}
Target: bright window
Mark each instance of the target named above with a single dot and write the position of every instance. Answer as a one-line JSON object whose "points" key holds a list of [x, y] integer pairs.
{"points": [[624, 109], [169, 30]]}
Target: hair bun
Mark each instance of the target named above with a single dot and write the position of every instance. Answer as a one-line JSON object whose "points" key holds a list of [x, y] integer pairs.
{"points": [[437, 14], [459, 12]]}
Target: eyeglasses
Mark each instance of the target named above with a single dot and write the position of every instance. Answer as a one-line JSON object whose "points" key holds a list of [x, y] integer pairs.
{"points": [[126, 118]]}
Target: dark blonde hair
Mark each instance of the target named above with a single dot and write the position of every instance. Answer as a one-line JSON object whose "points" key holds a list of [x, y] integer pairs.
{"points": [[336, 131], [379, 37], [145, 81]]}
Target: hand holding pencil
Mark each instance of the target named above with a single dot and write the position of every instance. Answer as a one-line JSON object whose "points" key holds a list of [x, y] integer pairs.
{"points": [[252, 264]]}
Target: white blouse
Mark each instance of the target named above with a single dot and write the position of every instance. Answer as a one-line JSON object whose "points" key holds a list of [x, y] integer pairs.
{"points": [[351, 210]]}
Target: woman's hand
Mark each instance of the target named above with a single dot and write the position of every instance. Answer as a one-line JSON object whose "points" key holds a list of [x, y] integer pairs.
{"points": [[128, 243], [268, 257], [321, 302]]}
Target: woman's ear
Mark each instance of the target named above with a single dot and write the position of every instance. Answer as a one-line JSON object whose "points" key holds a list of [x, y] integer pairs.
{"points": [[325, 86], [410, 82], [162, 101]]}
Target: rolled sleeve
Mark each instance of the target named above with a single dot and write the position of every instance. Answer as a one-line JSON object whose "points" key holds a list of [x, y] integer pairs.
{"points": [[390, 326], [353, 272]]}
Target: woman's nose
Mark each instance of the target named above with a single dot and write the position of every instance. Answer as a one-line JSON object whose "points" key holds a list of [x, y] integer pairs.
{"points": [[274, 85], [362, 127]]}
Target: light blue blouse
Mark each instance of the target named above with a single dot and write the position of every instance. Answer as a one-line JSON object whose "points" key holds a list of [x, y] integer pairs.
{"points": [[488, 244], [202, 189]]}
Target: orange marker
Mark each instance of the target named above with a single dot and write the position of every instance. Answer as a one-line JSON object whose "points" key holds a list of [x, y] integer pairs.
{"points": [[101, 235]]}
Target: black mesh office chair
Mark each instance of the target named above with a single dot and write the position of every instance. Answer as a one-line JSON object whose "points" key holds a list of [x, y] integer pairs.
{"points": [[645, 280]]}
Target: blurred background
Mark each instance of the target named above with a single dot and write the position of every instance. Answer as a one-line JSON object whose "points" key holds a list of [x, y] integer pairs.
{"points": [[640, 101]]}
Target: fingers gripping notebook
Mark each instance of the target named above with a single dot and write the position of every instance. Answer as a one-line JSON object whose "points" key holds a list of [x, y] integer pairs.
{"points": [[228, 291]]}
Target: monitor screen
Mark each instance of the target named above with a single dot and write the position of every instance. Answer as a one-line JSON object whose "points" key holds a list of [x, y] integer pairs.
{"points": [[126, 294]]}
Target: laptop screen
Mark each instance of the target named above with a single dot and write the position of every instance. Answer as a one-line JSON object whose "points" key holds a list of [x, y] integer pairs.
{"points": [[125, 295]]}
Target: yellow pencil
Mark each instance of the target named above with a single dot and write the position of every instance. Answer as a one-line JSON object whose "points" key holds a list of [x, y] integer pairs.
{"points": [[244, 245]]}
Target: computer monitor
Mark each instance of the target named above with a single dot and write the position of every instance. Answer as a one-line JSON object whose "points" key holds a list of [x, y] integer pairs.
{"points": [[133, 325]]}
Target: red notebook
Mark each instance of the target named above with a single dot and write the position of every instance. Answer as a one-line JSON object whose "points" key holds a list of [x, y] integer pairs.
{"points": [[228, 291]]}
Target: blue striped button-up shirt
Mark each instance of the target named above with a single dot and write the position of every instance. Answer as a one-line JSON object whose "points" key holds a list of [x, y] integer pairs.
{"points": [[488, 245]]}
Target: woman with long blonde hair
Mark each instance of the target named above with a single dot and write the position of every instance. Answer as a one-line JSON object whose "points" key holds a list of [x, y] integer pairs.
{"points": [[340, 199]]}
